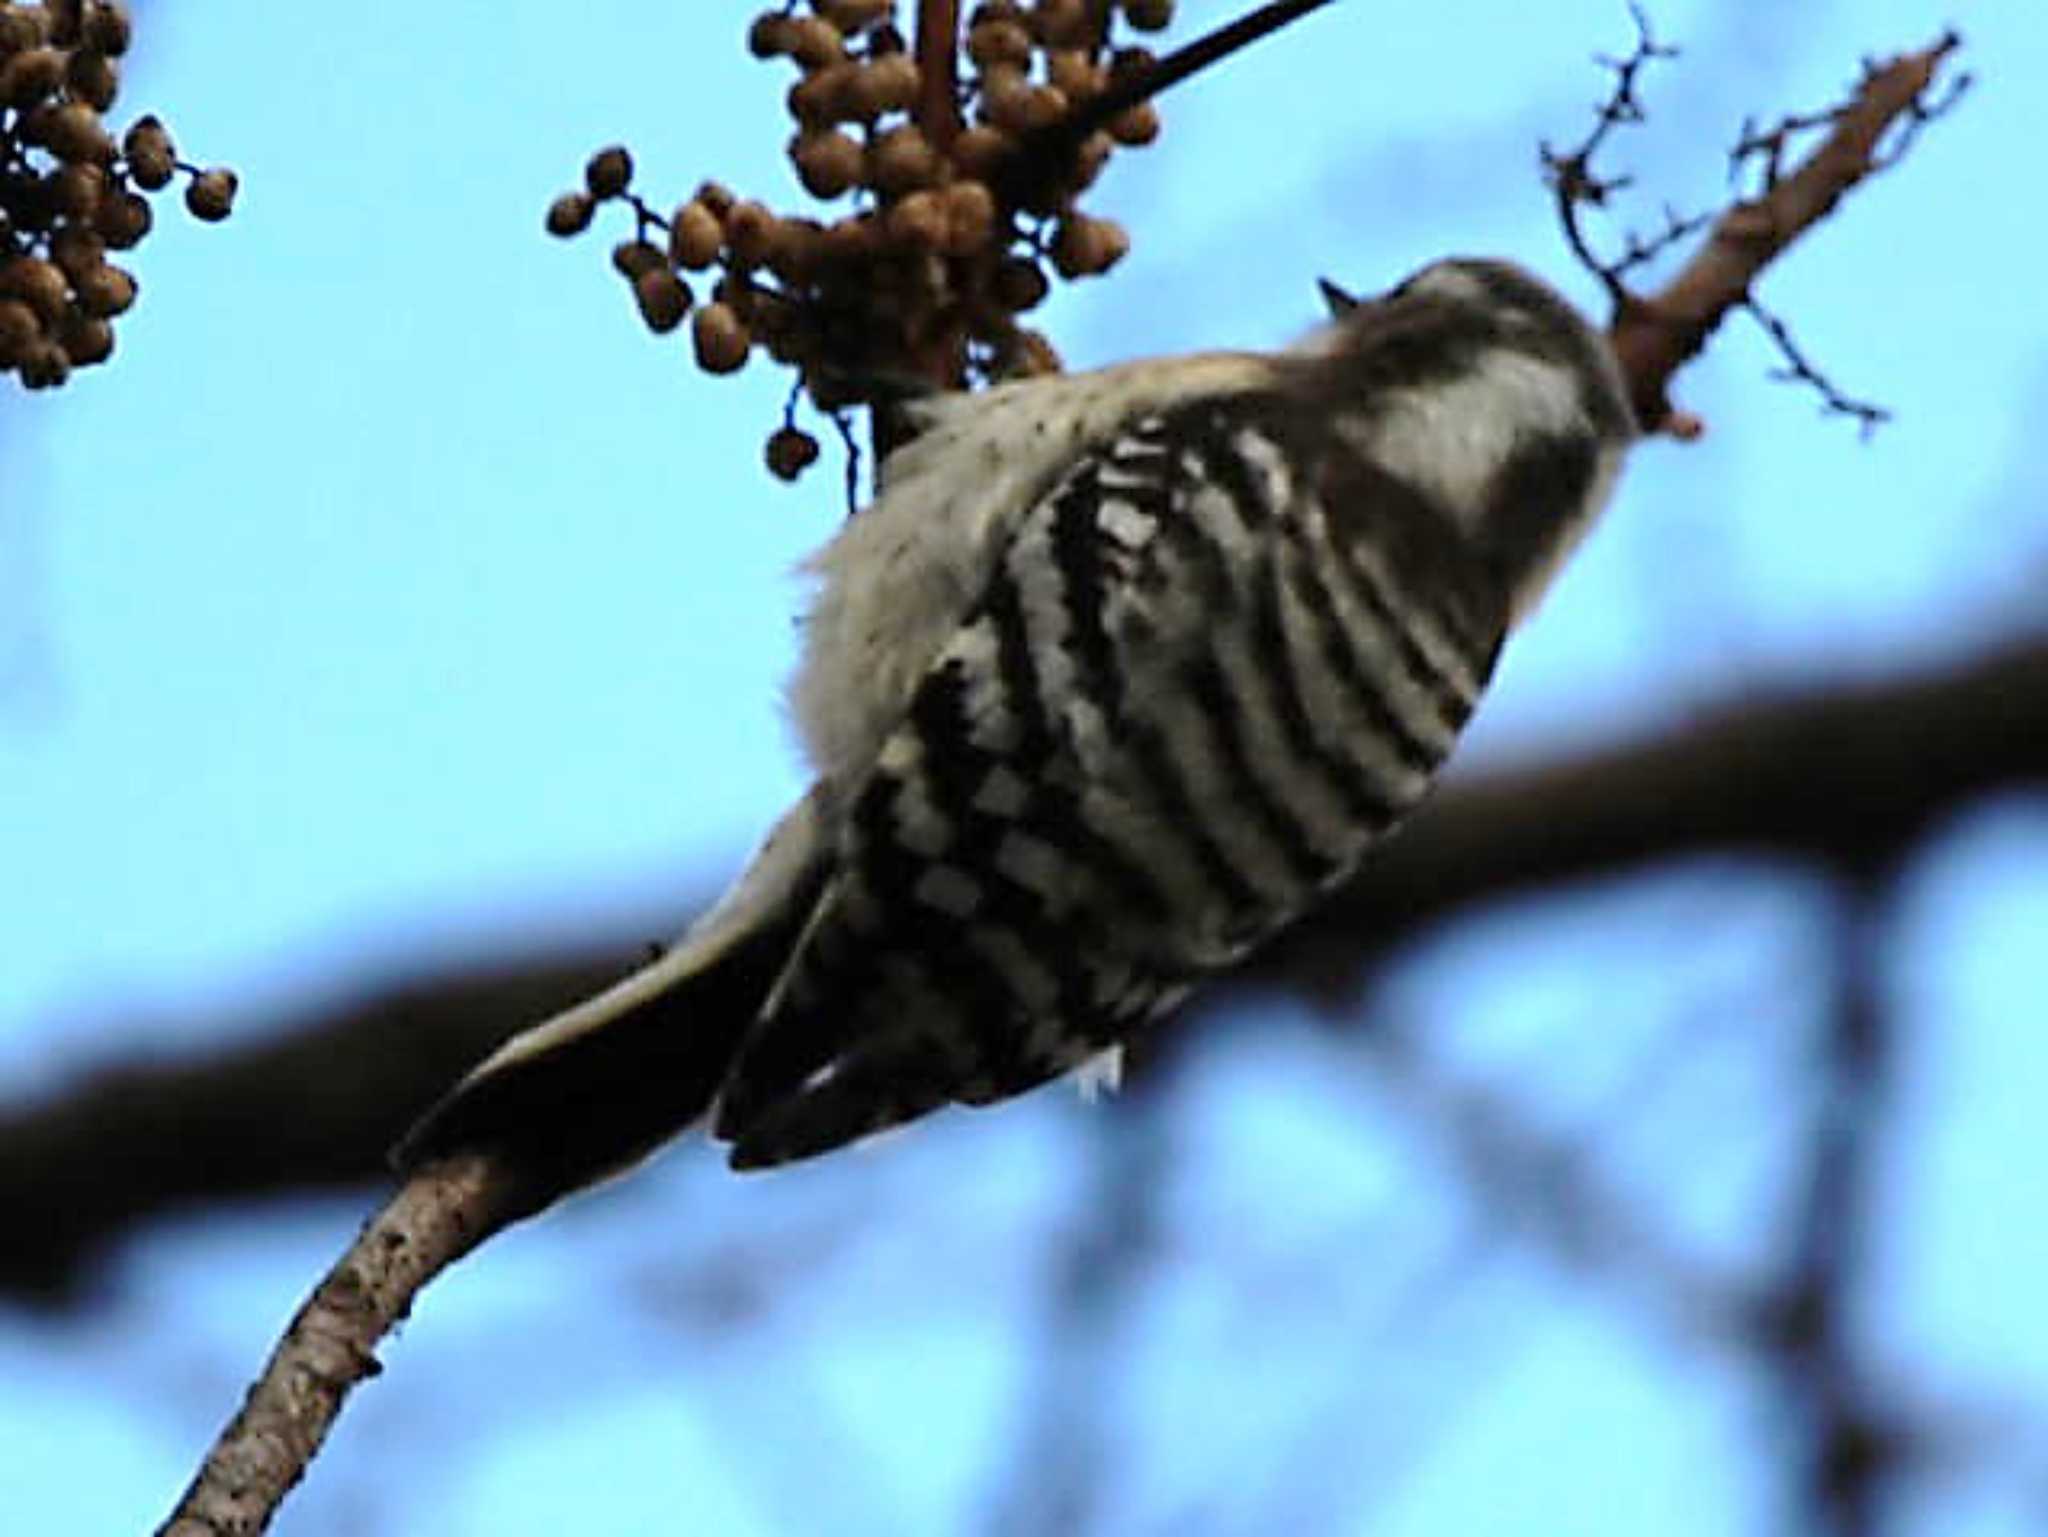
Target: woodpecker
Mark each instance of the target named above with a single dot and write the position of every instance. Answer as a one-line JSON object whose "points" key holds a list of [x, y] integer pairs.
{"points": [[1120, 673]]}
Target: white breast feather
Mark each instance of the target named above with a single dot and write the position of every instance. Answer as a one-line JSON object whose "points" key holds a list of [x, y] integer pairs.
{"points": [[900, 577]]}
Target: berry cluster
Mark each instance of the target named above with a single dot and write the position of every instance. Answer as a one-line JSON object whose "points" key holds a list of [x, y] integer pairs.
{"points": [[69, 194], [942, 245]]}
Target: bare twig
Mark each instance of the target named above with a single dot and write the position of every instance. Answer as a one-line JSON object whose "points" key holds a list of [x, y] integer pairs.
{"points": [[1641, 250], [939, 359], [438, 1216], [1656, 336], [938, 70], [1040, 153], [1573, 181], [1801, 369]]}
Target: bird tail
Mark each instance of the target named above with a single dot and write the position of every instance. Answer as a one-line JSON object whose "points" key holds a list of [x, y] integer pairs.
{"points": [[599, 1086]]}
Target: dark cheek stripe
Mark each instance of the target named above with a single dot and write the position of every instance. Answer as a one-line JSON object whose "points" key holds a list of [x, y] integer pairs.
{"points": [[1544, 481]]}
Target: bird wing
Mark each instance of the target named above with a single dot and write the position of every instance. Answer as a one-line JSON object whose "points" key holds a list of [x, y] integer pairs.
{"points": [[591, 1090], [1184, 704]]}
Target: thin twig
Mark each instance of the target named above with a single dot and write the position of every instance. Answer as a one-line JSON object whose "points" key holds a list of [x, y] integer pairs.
{"points": [[1799, 368], [938, 71], [1052, 146], [1657, 335], [1573, 182], [437, 1216]]}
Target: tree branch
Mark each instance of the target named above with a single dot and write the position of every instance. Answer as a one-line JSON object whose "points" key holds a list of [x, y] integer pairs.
{"points": [[1656, 336], [938, 71], [1839, 776], [438, 1216]]}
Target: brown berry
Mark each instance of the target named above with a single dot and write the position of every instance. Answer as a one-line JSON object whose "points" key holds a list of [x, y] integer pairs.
{"points": [[1149, 15], [630, 258], [980, 149], [44, 366], [105, 291], [123, 219], [832, 389], [29, 77], [1135, 125], [695, 236], [798, 250], [719, 338], [917, 221], [20, 329], [38, 284], [999, 45], [105, 28], [151, 158], [768, 35], [1018, 284], [1074, 71], [212, 194], [1043, 106], [1126, 62], [86, 340], [824, 96], [849, 242], [794, 344], [1005, 94], [789, 452], [20, 30], [970, 217], [77, 249], [77, 190], [65, 19], [750, 233], [814, 42], [1060, 23], [1089, 158], [75, 133], [94, 79], [30, 206], [1032, 356], [1085, 247], [716, 196], [889, 84], [901, 160], [608, 171], [853, 17], [568, 214], [860, 99], [828, 164], [663, 298]]}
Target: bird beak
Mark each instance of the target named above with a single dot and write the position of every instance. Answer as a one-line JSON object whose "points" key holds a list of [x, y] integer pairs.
{"points": [[1339, 302]]}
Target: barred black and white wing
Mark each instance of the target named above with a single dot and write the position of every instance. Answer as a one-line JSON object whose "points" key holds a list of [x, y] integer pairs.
{"points": [[1120, 672], [1222, 655]]}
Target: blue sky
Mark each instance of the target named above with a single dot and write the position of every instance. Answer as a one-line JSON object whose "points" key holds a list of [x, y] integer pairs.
{"points": [[393, 595]]}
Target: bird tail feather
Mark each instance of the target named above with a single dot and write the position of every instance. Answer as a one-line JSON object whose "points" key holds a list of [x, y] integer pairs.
{"points": [[594, 1089]]}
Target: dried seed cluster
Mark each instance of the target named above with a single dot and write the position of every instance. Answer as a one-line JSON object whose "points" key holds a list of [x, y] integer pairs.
{"points": [[69, 192], [936, 254]]}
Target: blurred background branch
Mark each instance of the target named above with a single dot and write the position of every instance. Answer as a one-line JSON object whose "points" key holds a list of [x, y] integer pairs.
{"points": [[1846, 777]]}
